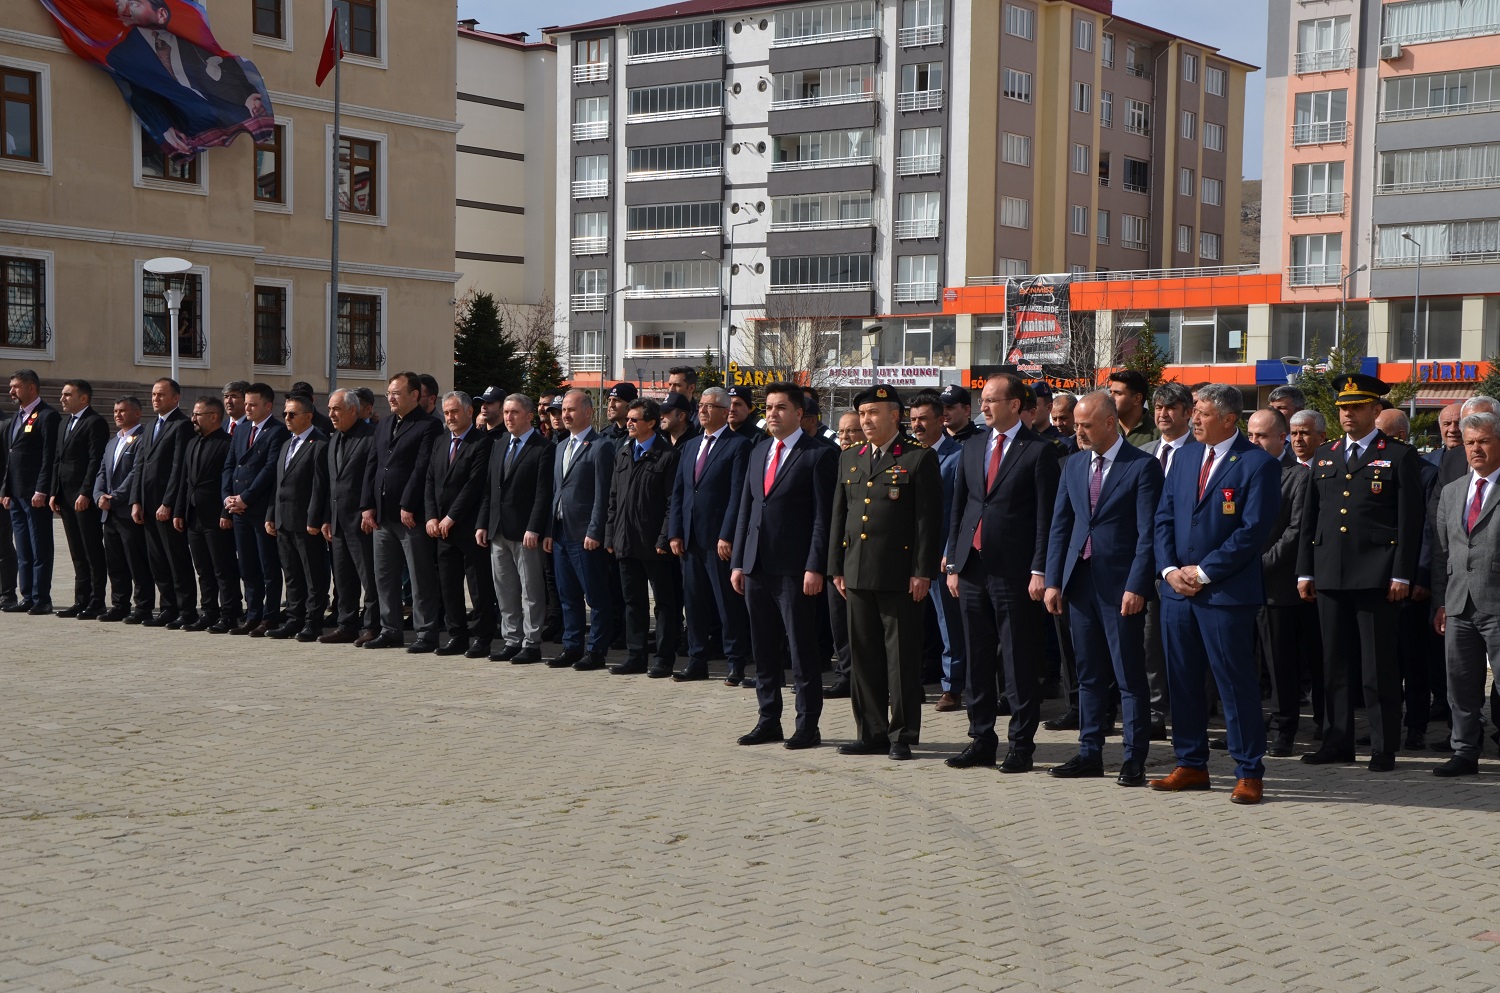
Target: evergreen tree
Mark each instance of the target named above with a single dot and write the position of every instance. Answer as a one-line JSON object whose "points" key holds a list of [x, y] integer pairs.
{"points": [[1147, 359], [1489, 385], [544, 374], [1320, 386], [709, 373], [483, 354]]}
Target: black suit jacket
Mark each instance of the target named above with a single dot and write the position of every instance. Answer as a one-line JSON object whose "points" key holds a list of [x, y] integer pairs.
{"points": [[785, 532], [294, 482], [339, 479], [30, 453], [78, 454], [114, 480], [456, 489], [1017, 510], [706, 509], [396, 475], [517, 501], [1278, 556], [250, 470], [197, 497], [639, 496], [157, 458]]}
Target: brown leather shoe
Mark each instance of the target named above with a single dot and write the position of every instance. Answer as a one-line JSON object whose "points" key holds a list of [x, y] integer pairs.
{"points": [[262, 629], [947, 702], [1182, 778], [1247, 791], [338, 636], [364, 636]]}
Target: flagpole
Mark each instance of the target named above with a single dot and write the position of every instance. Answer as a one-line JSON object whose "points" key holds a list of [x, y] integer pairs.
{"points": [[333, 266]]}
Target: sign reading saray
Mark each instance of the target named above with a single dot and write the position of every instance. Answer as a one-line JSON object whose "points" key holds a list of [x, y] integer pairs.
{"points": [[187, 92], [1037, 313]]}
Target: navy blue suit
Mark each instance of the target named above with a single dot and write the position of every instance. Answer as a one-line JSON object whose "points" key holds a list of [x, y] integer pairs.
{"points": [[950, 621], [30, 454], [250, 474], [1119, 532], [1223, 534], [704, 509], [580, 507]]}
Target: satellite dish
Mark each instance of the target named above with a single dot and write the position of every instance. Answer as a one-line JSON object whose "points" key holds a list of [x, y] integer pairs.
{"points": [[167, 265]]}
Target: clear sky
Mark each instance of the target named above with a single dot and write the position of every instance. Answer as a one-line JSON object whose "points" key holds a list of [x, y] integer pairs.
{"points": [[1236, 28]]}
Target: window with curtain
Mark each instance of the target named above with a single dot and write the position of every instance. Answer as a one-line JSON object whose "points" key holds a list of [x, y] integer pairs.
{"points": [[1435, 20], [1458, 168], [1439, 241]]}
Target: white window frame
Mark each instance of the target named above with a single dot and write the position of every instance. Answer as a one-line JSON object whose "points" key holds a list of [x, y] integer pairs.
{"points": [[1185, 239], [284, 43], [1016, 267], [1213, 137], [1083, 97], [142, 181], [1015, 149], [1207, 239], [1189, 125], [49, 298], [165, 361], [1143, 229], [1079, 219], [1217, 186], [1215, 81], [383, 179], [285, 207], [1101, 226], [285, 368], [1083, 34], [369, 375], [1083, 159], [1016, 205], [43, 165], [1189, 67], [1107, 49], [378, 62], [1106, 109], [1187, 182], [1020, 77], [1020, 22]]}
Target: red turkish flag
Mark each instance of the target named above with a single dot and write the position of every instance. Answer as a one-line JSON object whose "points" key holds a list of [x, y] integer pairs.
{"points": [[333, 49]]}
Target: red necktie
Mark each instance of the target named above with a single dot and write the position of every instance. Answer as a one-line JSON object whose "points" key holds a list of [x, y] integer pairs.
{"points": [[452, 450], [771, 467], [1475, 506], [1164, 453], [989, 480], [251, 442], [1203, 474]]}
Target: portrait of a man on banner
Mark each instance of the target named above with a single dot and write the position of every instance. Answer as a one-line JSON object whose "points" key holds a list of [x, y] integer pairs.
{"points": [[188, 92]]}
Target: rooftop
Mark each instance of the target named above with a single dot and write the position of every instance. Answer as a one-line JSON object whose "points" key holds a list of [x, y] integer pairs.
{"points": [[469, 28]]}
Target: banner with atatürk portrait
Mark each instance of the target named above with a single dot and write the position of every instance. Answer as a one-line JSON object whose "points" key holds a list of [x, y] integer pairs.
{"points": [[1037, 319], [187, 92]]}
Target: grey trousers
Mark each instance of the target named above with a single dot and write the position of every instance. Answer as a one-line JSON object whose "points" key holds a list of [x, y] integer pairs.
{"points": [[1471, 636], [520, 591], [397, 546]]}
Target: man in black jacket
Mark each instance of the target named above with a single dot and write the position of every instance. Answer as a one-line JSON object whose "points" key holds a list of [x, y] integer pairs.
{"points": [[30, 454], [457, 472], [300, 547], [635, 532], [334, 511], [249, 476], [124, 539], [164, 437], [198, 512], [80, 446]]}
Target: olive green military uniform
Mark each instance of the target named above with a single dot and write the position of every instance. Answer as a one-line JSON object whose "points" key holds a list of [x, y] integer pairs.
{"points": [[886, 528]]}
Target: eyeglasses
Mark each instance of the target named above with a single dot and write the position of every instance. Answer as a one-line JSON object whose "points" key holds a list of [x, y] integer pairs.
{"points": [[639, 420], [712, 406]]}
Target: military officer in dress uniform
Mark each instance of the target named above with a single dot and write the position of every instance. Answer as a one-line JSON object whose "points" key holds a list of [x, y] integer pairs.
{"points": [[885, 547], [1364, 515]]}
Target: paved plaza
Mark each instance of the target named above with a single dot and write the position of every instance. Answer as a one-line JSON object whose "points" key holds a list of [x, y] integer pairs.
{"points": [[188, 812]]}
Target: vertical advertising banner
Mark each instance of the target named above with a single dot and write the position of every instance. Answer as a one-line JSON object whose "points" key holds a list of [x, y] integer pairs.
{"points": [[1038, 319], [187, 92]]}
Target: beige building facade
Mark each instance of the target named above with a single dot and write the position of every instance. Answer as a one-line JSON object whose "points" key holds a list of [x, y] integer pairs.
{"points": [[83, 205]]}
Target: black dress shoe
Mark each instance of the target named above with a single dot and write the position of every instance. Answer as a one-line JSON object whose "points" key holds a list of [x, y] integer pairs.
{"points": [[7, 601], [764, 733], [1327, 756], [421, 646], [692, 673], [1067, 722], [506, 654], [1456, 766], [1078, 767], [627, 668], [39, 609], [590, 662], [900, 751], [1016, 762], [804, 739], [454, 646], [1219, 744], [527, 656], [309, 634], [565, 658], [736, 675], [181, 621], [857, 747], [1132, 773], [1363, 739], [1415, 741], [90, 613], [114, 615], [224, 625], [1158, 731], [659, 672], [284, 631], [478, 650], [384, 640], [1382, 762], [1280, 748], [160, 620], [203, 623], [978, 753], [839, 690], [71, 611], [552, 633], [17, 607], [138, 617]]}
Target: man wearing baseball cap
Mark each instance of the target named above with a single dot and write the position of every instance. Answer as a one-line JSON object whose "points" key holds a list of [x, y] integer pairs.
{"points": [[617, 407], [958, 412], [742, 414]]}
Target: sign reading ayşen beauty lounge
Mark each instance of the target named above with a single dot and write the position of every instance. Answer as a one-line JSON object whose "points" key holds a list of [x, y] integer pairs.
{"points": [[891, 375]]}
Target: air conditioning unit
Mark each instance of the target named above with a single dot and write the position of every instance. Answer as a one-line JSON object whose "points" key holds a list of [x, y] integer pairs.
{"points": [[1390, 51]]}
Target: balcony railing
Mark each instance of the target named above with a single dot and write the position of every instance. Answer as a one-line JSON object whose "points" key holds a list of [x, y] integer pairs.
{"points": [[828, 224], [1140, 246], [920, 100], [670, 292], [1138, 69], [1442, 34], [680, 53], [673, 115], [591, 131], [1330, 60], [586, 303], [591, 245], [1130, 187], [588, 362], [871, 31], [1320, 133], [590, 72], [919, 165], [1106, 63], [831, 100], [1311, 204], [1439, 185], [669, 354], [819, 287], [654, 233], [1144, 130], [1314, 275], [1102, 236], [922, 227], [645, 177], [915, 292], [1448, 258], [1119, 275], [587, 189], [922, 34], [1468, 107], [799, 164]]}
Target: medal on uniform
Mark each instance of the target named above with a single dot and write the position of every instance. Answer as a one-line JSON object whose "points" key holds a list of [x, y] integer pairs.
{"points": [[1375, 486], [1228, 500], [894, 492]]}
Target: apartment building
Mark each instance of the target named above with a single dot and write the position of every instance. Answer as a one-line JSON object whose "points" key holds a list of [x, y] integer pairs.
{"points": [[506, 219], [743, 173], [84, 203], [1382, 158]]}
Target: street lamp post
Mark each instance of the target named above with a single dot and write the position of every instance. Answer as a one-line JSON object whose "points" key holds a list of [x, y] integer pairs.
{"points": [[873, 333], [1416, 313], [166, 267], [728, 330], [1344, 303]]}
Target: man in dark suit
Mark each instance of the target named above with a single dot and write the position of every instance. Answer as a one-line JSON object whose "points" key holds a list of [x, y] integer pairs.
{"points": [[124, 539], [249, 479], [512, 520], [583, 468], [635, 533], [944, 618], [1099, 556], [458, 470], [1217, 508], [701, 523], [742, 414], [885, 548], [1277, 620], [8, 597], [80, 447], [30, 456], [300, 546], [996, 561], [391, 508], [777, 563], [198, 512], [338, 480], [1365, 513], [164, 438]]}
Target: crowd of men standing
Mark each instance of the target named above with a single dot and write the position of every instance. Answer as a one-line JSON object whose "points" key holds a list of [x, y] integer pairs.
{"points": [[1165, 561]]}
